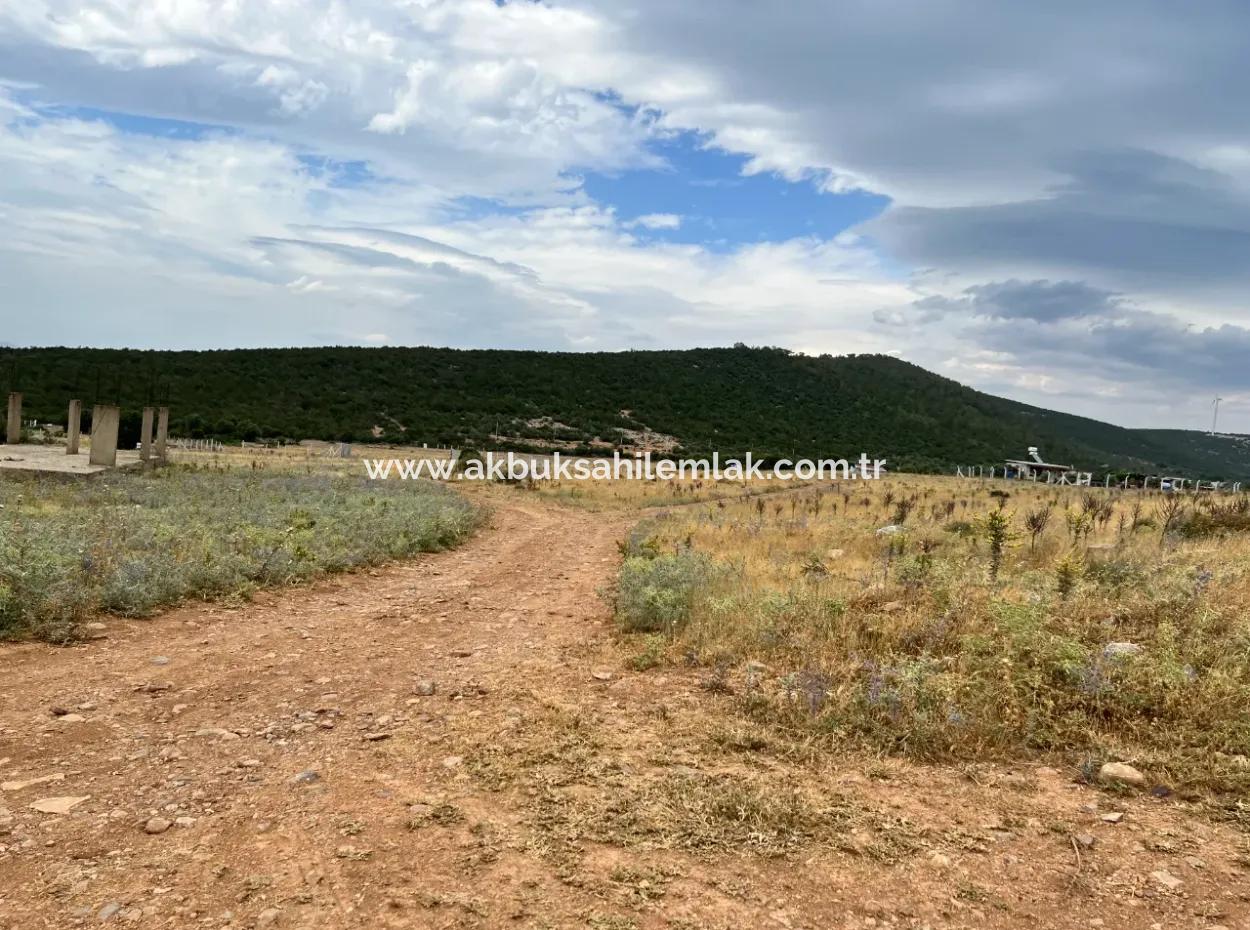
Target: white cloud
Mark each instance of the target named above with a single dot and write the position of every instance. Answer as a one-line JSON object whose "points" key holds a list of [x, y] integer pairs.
{"points": [[656, 221], [189, 225], [1059, 142]]}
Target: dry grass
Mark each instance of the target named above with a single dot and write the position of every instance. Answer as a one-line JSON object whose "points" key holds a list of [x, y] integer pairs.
{"points": [[973, 630], [599, 495], [576, 787]]}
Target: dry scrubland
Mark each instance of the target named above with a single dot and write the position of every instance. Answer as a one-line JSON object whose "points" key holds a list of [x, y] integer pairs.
{"points": [[724, 740], [630, 495], [993, 620], [130, 543]]}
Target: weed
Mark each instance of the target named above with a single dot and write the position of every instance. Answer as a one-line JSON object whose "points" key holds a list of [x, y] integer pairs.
{"points": [[130, 544], [927, 661]]}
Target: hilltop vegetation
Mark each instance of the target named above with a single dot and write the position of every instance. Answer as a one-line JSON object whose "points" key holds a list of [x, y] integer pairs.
{"points": [[768, 401]]}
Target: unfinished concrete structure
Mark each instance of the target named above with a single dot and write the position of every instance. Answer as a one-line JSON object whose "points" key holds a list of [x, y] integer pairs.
{"points": [[162, 434], [73, 426], [145, 435], [1033, 467], [104, 454], [13, 430], [105, 422]]}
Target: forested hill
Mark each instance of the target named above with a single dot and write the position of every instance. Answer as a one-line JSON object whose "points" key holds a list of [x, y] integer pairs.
{"points": [[769, 401]]}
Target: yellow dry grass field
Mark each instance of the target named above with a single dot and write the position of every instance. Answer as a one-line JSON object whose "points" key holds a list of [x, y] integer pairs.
{"points": [[947, 619], [603, 495]]}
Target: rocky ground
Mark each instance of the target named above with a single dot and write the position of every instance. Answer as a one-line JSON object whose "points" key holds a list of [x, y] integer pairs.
{"points": [[459, 742]]}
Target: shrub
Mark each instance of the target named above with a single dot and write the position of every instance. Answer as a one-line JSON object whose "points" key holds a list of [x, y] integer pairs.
{"points": [[656, 594], [130, 544]]}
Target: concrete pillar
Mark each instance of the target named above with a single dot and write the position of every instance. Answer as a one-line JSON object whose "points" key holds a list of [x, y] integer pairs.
{"points": [[13, 434], [162, 432], [105, 421], [145, 434], [73, 423]]}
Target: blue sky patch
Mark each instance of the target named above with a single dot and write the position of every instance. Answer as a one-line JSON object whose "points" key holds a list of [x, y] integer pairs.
{"points": [[135, 124], [720, 208], [345, 174]]}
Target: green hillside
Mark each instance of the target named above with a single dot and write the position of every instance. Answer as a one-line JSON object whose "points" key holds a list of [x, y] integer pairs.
{"points": [[768, 401]]}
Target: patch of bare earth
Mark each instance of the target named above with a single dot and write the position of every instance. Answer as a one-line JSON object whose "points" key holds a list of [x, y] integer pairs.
{"points": [[283, 764]]}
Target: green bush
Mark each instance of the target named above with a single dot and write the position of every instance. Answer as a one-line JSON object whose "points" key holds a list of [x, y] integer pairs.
{"points": [[656, 594], [130, 544]]}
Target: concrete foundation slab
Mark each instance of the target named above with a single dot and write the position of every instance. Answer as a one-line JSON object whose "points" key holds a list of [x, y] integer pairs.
{"points": [[52, 459]]}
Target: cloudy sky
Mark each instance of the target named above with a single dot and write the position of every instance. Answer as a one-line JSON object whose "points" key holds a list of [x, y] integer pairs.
{"points": [[1047, 201]]}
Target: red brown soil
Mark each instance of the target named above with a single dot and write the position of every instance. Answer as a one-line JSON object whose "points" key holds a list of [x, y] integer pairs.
{"points": [[459, 809]]}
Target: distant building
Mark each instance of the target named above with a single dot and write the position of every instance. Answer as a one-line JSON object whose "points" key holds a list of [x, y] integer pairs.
{"points": [[1033, 467]]}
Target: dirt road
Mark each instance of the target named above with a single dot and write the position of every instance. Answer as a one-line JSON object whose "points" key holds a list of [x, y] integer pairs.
{"points": [[283, 763]]}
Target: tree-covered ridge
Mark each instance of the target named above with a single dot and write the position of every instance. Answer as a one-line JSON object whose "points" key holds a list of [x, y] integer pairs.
{"points": [[768, 401]]}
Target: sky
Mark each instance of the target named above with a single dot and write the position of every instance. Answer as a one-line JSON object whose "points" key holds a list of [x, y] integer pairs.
{"points": [[1049, 202]]}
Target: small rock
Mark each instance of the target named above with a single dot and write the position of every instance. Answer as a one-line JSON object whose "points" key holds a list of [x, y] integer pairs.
{"points": [[425, 688], [1113, 817], [889, 530], [452, 762], [109, 910], [71, 718], [268, 917], [306, 777], [1120, 650], [1167, 879], [62, 805], [375, 737], [30, 782], [217, 732], [160, 660], [940, 861], [601, 674], [1121, 773], [1085, 839], [157, 825]]}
